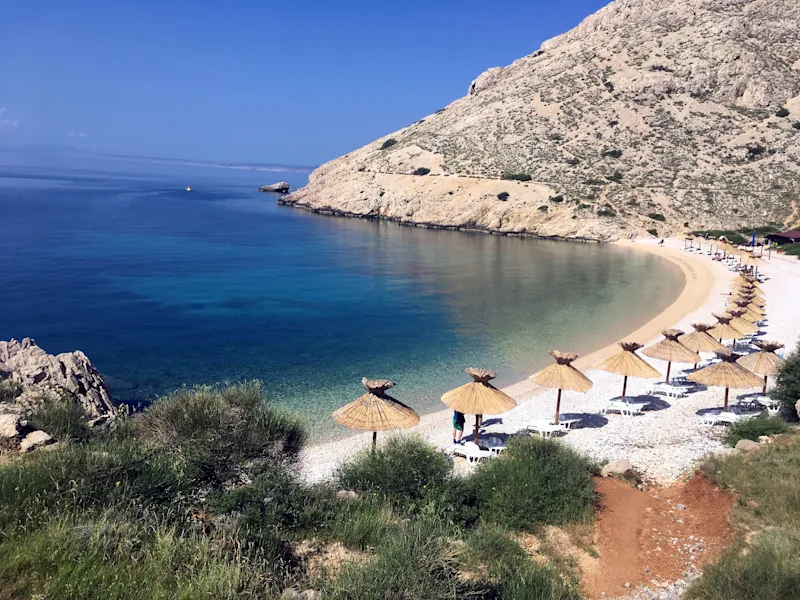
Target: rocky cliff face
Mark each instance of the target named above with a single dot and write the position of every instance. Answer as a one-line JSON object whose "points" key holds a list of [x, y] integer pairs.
{"points": [[39, 377], [651, 114]]}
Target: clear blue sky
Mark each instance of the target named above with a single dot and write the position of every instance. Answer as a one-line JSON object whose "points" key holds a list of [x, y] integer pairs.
{"points": [[292, 82]]}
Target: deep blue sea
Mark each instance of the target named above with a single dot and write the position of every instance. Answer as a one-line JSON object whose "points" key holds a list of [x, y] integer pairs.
{"points": [[163, 288]]}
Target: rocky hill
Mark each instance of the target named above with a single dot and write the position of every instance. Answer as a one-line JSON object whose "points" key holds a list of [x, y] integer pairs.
{"points": [[657, 115]]}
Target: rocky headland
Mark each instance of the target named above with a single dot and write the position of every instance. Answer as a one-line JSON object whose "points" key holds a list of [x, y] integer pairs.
{"points": [[281, 187], [651, 116]]}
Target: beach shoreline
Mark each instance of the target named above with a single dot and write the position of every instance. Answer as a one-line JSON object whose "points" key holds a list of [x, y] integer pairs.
{"points": [[701, 281]]}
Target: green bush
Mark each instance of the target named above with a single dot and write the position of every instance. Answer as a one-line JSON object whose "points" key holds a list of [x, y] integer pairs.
{"points": [[388, 143], [796, 125], [64, 420], [616, 177], [791, 249], [535, 482], [503, 196], [517, 176], [752, 429], [767, 569], [558, 198], [657, 217], [543, 208], [787, 384], [421, 171], [9, 390], [606, 212], [782, 112], [216, 432], [403, 470], [733, 236], [653, 232], [612, 153]]}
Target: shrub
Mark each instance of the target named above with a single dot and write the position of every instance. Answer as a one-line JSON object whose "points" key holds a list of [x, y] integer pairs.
{"points": [[64, 420], [558, 198], [782, 112], [787, 384], [752, 429], [606, 212], [767, 569], [517, 176], [388, 143], [403, 470], [616, 177], [503, 196], [217, 433], [796, 125], [754, 152], [653, 232], [791, 250], [572, 161], [594, 182], [657, 217], [536, 482], [611, 153], [9, 390], [421, 171], [543, 208]]}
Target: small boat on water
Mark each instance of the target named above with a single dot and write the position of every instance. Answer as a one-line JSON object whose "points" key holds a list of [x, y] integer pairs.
{"points": [[188, 188]]}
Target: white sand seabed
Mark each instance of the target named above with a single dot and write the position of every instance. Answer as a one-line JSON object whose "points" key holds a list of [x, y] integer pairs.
{"points": [[662, 444]]}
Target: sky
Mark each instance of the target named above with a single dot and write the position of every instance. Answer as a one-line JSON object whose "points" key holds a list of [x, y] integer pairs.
{"points": [[296, 82]]}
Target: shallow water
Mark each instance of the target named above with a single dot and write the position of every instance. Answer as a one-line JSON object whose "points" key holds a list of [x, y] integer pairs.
{"points": [[163, 288]]}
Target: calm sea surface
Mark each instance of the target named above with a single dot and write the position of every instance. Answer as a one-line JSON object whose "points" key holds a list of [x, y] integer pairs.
{"points": [[162, 288]]}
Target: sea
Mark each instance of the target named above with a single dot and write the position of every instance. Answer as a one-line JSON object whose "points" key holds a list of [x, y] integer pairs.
{"points": [[164, 288]]}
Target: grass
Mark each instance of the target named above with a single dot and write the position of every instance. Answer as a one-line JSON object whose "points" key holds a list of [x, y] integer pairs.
{"points": [[536, 482], [9, 390], [752, 429], [787, 385], [64, 420], [791, 249], [765, 561], [199, 496]]}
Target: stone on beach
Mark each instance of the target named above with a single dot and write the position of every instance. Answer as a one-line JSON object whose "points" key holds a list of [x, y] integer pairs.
{"points": [[746, 445], [34, 440], [616, 467]]}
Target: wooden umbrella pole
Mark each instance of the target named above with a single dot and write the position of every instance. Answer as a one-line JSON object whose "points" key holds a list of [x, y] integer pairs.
{"points": [[764, 389], [669, 365], [726, 399], [477, 429], [558, 405], [624, 386], [374, 439]]}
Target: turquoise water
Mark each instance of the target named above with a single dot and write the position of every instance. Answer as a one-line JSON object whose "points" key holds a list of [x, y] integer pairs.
{"points": [[163, 288]]}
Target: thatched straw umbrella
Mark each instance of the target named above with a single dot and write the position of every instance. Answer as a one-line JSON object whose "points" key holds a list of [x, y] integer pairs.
{"points": [[723, 330], [700, 341], [727, 373], [376, 411], [764, 362], [671, 350], [628, 364], [562, 376], [749, 307], [479, 397], [737, 322]]}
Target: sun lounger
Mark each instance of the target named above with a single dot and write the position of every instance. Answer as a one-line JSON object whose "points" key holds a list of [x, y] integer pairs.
{"points": [[772, 406], [668, 389], [493, 444], [725, 417], [569, 423], [622, 408], [471, 452], [546, 428]]}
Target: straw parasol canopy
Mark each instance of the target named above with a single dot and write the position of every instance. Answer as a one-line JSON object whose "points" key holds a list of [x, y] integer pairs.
{"points": [[739, 323], [479, 397], [562, 376], [628, 364], [376, 411], [699, 340], [746, 303], [671, 350], [764, 362], [723, 330], [727, 373]]}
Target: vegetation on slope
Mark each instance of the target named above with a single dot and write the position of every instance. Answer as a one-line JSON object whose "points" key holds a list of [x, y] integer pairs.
{"points": [[199, 496]]}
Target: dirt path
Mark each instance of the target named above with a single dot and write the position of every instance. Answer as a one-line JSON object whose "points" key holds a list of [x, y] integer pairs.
{"points": [[656, 537]]}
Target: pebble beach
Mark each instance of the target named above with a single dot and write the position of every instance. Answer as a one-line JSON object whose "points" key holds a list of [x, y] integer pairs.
{"points": [[667, 440]]}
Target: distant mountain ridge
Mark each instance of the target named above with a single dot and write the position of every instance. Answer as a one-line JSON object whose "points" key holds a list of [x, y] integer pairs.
{"points": [[659, 115]]}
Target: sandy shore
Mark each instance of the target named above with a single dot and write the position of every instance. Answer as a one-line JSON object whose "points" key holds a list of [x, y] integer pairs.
{"points": [[665, 441]]}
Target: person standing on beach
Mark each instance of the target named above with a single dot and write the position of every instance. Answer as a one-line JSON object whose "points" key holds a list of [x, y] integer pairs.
{"points": [[458, 426]]}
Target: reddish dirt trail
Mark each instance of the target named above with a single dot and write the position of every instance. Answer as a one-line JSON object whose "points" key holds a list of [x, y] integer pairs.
{"points": [[646, 538]]}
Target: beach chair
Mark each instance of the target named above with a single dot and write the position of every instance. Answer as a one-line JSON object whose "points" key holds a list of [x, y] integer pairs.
{"points": [[726, 417], [546, 428], [670, 390], [569, 423], [493, 444], [622, 408], [471, 452]]}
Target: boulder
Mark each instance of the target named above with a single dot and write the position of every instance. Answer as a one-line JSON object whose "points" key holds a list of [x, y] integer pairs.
{"points": [[44, 377], [10, 425], [797, 407], [34, 440], [347, 495], [746, 445], [616, 467], [281, 188]]}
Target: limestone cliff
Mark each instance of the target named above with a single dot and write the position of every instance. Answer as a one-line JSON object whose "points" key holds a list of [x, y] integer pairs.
{"points": [[688, 109]]}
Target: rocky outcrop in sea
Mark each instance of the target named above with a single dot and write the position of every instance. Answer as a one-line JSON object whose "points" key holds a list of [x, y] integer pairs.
{"points": [[280, 188]]}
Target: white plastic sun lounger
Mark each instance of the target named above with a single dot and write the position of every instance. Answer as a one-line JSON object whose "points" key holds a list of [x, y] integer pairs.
{"points": [[622, 408], [471, 452], [725, 417], [493, 444], [546, 428]]}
